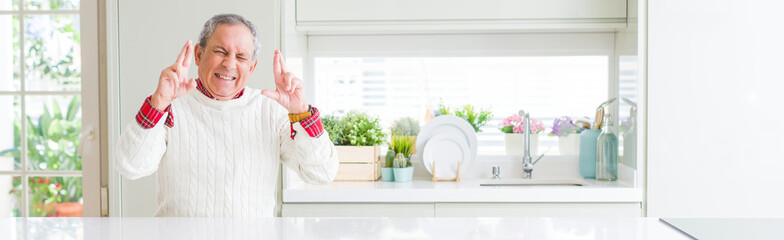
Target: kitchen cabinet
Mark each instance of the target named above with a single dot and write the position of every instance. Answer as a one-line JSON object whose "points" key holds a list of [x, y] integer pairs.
{"points": [[461, 210], [452, 15]]}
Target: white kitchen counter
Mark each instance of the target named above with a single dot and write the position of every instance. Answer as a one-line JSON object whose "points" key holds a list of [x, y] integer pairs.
{"points": [[425, 191], [336, 228]]}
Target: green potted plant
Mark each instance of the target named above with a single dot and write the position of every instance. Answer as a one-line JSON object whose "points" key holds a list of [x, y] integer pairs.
{"points": [[387, 172], [402, 147], [356, 136], [406, 126], [477, 119]]}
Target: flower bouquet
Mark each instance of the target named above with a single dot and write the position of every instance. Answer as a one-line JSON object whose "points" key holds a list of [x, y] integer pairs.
{"points": [[568, 135], [514, 126]]}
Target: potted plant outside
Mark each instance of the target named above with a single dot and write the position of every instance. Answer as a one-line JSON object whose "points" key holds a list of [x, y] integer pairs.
{"points": [[513, 128], [357, 137], [477, 119], [568, 135]]}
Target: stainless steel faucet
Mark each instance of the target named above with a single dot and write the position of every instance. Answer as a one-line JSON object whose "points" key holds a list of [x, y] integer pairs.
{"points": [[528, 165]]}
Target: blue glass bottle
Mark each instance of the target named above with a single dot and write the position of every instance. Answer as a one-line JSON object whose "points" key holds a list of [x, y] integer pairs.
{"points": [[588, 152], [607, 152]]}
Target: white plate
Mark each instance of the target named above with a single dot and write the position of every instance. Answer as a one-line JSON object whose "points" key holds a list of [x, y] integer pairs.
{"points": [[445, 123], [446, 149]]}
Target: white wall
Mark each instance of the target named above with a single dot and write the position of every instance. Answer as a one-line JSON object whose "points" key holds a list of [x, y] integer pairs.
{"points": [[151, 34], [715, 107]]}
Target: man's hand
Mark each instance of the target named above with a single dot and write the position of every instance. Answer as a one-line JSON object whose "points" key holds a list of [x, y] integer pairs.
{"points": [[173, 82], [288, 88]]}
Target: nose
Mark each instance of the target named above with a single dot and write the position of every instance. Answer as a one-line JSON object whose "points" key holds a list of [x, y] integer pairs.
{"points": [[230, 62]]}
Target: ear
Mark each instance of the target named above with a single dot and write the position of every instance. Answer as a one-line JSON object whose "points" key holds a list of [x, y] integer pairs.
{"points": [[254, 65], [197, 53]]}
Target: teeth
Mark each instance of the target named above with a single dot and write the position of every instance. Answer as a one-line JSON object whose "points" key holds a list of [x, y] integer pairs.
{"points": [[224, 77]]}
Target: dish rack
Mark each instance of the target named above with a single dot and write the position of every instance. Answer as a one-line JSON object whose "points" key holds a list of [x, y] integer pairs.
{"points": [[457, 178]]}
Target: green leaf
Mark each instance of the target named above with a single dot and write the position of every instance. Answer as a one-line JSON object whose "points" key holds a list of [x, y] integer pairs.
{"points": [[43, 122], [32, 130], [11, 152], [17, 132], [57, 114], [73, 108], [55, 131], [507, 129], [34, 154]]}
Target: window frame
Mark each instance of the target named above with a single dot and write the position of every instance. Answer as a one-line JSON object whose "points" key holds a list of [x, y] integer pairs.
{"points": [[90, 138]]}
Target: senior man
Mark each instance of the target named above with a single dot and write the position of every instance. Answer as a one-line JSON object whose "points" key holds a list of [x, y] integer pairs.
{"points": [[219, 149]]}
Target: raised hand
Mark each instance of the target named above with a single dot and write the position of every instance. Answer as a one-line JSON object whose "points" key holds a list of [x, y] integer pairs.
{"points": [[173, 82], [288, 88]]}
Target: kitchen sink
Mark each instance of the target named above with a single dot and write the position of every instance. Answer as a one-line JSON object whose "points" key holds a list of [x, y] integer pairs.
{"points": [[534, 183]]}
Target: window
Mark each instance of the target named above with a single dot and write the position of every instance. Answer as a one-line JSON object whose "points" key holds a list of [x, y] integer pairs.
{"points": [[41, 93], [548, 75]]}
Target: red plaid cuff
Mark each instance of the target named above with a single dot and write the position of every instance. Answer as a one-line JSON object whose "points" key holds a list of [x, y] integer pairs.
{"points": [[311, 124], [148, 116]]}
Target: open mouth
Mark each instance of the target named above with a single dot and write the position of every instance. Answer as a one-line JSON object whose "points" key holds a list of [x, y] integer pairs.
{"points": [[225, 77]]}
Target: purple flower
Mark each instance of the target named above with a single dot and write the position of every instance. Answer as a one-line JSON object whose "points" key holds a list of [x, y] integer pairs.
{"points": [[563, 126]]}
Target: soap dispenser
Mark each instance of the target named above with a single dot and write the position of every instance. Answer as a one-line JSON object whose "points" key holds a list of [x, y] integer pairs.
{"points": [[607, 152]]}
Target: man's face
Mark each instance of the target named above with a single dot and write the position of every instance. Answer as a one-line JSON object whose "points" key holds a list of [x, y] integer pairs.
{"points": [[226, 63]]}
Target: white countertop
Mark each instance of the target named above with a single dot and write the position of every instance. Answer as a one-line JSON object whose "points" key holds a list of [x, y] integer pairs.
{"points": [[336, 228], [424, 190]]}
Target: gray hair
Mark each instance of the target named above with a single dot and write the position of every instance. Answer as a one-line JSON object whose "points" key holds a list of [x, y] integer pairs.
{"points": [[231, 19]]}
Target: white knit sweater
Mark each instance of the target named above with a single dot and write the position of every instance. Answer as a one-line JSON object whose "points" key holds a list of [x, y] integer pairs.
{"points": [[222, 158]]}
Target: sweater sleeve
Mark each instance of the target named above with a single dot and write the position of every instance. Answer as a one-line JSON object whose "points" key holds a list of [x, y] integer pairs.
{"points": [[315, 159], [139, 150]]}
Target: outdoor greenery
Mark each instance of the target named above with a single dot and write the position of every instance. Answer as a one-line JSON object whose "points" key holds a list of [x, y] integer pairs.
{"points": [[51, 4], [52, 141], [52, 62], [406, 126], [467, 112], [47, 60]]}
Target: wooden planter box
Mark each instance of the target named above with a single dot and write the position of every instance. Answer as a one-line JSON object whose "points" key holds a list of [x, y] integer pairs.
{"points": [[358, 163]]}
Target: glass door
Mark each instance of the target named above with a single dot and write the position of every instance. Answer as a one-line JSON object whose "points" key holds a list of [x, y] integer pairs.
{"points": [[42, 97]]}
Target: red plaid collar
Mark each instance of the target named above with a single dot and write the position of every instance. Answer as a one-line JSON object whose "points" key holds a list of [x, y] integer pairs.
{"points": [[206, 93]]}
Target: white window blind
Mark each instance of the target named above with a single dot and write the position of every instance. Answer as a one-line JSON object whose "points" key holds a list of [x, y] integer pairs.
{"points": [[548, 75]]}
